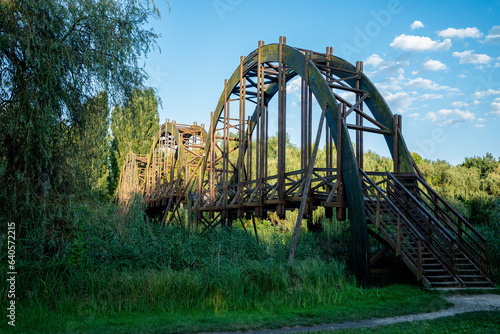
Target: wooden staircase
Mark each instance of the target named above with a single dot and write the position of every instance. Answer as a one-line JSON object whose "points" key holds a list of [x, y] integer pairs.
{"points": [[438, 245]]}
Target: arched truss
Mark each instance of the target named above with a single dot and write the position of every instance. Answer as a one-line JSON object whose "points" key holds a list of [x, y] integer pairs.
{"points": [[240, 182]]}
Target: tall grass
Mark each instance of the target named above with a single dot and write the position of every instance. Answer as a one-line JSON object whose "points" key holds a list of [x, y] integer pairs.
{"points": [[112, 263]]}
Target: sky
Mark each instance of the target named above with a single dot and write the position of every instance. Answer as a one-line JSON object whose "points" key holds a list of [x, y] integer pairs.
{"points": [[437, 63]]}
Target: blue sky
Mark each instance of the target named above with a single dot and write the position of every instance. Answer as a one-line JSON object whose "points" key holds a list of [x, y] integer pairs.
{"points": [[437, 63]]}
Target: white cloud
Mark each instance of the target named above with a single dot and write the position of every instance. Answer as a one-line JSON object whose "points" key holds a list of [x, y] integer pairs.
{"points": [[416, 25], [399, 101], [497, 65], [465, 104], [388, 68], [469, 57], [434, 65], [460, 33], [414, 72], [450, 116], [430, 96], [495, 107], [390, 83], [479, 125], [414, 115], [293, 87], [493, 36], [374, 60], [483, 93], [428, 84], [419, 43], [461, 75]]}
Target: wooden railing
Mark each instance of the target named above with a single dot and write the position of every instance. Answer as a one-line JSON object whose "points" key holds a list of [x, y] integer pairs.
{"points": [[469, 240], [437, 237], [390, 221]]}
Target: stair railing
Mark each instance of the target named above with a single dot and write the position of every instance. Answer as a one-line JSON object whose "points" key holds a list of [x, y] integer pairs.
{"points": [[469, 240], [439, 239], [394, 225]]}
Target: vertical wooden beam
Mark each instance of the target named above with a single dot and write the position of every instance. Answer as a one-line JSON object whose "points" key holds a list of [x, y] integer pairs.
{"points": [[420, 260], [250, 151], [361, 140], [307, 186], [304, 115], [340, 210], [225, 156], [398, 242], [358, 119], [395, 154], [281, 131], [258, 171], [378, 211], [212, 163]]}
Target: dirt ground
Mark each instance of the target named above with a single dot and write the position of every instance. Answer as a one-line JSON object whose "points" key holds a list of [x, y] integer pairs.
{"points": [[462, 304]]}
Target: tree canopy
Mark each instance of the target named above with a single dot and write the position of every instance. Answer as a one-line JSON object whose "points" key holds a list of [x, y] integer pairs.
{"points": [[55, 57], [133, 125]]}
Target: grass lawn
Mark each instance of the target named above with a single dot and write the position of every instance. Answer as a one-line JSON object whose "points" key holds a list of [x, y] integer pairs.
{"points": [[371, 303]]}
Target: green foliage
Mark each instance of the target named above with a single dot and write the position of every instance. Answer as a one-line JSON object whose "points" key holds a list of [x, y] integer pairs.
{"points": [[133, 126], [486, 164], [55, 57]]}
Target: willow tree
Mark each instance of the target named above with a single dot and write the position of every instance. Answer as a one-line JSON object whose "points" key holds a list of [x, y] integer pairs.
{"points": [[54, 56], [133, 126]]}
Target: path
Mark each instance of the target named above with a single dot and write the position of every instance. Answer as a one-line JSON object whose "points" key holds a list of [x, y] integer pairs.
{"points": [[462, 304]]}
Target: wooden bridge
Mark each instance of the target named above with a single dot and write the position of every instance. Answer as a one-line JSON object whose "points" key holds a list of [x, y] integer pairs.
{"points": [[222, 174]]}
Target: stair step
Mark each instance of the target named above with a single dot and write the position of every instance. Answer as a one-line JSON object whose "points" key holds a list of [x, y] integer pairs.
{"points": [[435, 270], [477, 282], [440, 277], [445, 283]]}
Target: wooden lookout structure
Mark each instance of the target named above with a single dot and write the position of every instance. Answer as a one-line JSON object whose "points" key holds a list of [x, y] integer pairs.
{"points": [[221, 174]]}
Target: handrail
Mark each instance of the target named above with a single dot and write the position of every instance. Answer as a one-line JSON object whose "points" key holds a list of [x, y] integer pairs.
{"points": [[451, 209], [412, 232], [460, 230], [451, 238], [438, 235]]}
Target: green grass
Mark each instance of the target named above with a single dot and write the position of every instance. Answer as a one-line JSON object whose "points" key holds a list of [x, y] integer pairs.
{"points": [[380, 302], [116, 274], [473, 322]]}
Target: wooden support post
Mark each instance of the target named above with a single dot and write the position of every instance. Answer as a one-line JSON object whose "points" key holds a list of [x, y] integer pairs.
{"points": [[258, 155], [340, 209], [250, 151], [398, 243], [358, 122], [361, 139], [281, 132], [420, 260], [305, 192], [225, 157], [212, 163], [255, 228], [395, 154], [378, 211]]}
